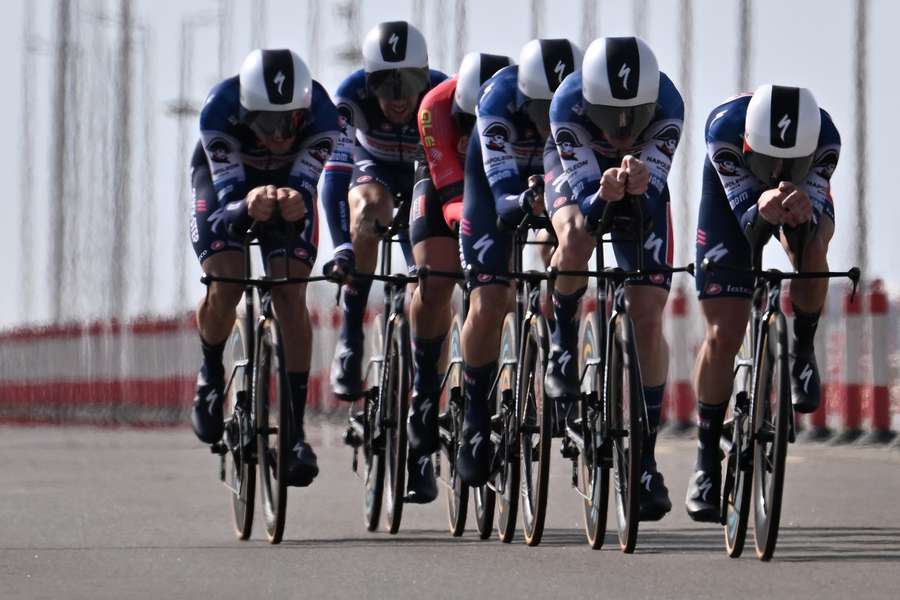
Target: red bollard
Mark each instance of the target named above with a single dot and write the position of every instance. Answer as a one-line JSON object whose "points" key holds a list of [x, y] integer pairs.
{"points": [[877, 391], [680, 403], [850, 392]]}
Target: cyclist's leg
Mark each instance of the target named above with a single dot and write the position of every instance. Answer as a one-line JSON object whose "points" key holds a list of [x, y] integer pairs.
{"points": [[808, 298], [574, 249], [486, 249], [222, 257], [725, 305], [370, 201]]}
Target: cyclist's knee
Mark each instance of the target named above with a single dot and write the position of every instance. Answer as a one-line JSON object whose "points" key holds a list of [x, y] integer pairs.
{"points": [[648, 320], [368, 204], [221, 298], [289, 301], [575, 245], [488, 306], [436, 292], [724, 338]]}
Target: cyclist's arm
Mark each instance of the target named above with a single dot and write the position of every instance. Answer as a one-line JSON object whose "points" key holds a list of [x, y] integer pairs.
{"points": [[500, 167], [580, 165], [338, 171], [818, 183], [318, 148], [223, 154]]}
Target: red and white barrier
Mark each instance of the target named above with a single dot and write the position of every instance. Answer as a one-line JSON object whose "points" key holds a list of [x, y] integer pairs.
{"points": [[680, 403], [850, 389], [877, 393]]}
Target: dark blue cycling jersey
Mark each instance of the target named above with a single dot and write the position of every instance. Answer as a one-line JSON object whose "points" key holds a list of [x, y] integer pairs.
{"points": [[369, 149]]}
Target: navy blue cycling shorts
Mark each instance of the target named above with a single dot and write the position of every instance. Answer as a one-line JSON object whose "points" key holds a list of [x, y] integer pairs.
{"points": [[207, 227], [658, 241]]}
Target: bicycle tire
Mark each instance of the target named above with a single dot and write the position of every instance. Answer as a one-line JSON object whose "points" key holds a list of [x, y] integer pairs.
{"points": [[395, 404], [458, 492], [625, 393], [738, 479], [240, 464], [373, 451], [771, 439], [506, 482], [271, 394], [593, 466], [535, 419]]}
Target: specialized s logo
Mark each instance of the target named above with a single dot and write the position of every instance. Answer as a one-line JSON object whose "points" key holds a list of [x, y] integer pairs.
{"points": [[497, 135], [321, 150], [566, 142], [727, 162], [559, 69], [483, 244], [667, 140], [279, 81], [393, 42], [783, 125], [624, 72]]}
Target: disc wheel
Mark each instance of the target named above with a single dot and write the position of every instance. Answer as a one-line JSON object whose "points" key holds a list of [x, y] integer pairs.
{"points": [[593, 465], [507, 452], [272, 402], [395, 408], [452, 422], [240, 459], [770, 424], [737, 482], [536, 431], [373, 448], [625, 405]]}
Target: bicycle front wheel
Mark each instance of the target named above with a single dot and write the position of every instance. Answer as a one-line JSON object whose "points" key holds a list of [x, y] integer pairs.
{"points": [[593, 468], [772, 411], [452, 421], [737, 482], [272, 401], [240, 461], [394, 410], [507, 453], [373, 445]]}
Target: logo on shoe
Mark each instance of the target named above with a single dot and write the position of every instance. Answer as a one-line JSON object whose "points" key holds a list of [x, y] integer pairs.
{"points": [[426, 408], [475, 441], [806, 375], [645, 480], [211, 400], [298, 449], [704, 488], [424, 461]]}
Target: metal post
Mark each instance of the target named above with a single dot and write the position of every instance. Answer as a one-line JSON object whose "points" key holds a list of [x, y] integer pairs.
{"points": [[639, 17], [588, 22], [258, 27], [745, 46], [26, 174], [313, 24], [58, 158], [224, 22], [462, 32], [148, 186], [537, 15], [862, 211], [684, 236], [121, 199]]}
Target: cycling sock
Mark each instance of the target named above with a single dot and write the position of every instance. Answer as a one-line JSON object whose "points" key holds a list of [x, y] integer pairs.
{"points": [[212, 358], [565, 311], [653, 397], [426, 354], [805, 325], [709, 430], [354, 300], [476, 384], [298, 382]]}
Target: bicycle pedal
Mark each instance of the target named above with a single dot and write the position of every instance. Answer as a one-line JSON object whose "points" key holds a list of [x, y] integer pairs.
{"points": [[567, 449], [219, 448], [351, 438], [355, 462]]}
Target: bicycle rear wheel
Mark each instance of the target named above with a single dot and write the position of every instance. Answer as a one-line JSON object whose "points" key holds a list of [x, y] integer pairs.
{"points": [[240, 461], [737, 482], [771, 413], [508, 464], [593, 468], [395, 407], [536, 430], [626, 406], [373, 447], [272, 400], [452, 420]]}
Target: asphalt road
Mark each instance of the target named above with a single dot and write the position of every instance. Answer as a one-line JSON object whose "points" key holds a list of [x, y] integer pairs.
{"points": [[95, 514]]}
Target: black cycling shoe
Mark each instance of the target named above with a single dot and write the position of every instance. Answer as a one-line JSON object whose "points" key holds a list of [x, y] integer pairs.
{"points": [[346, 370], [301, 464], [207, 418], [421, 483], [422, 425], [704, 490], [806, 389], [561, 379], [473, 460], [654, 501]]}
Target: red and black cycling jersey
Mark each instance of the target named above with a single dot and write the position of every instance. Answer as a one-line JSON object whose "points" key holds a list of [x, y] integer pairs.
{"points": [[443, 141]]}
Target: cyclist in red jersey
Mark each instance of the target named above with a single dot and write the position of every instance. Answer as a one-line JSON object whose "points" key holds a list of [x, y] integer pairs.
{"points": [[446, 117]]}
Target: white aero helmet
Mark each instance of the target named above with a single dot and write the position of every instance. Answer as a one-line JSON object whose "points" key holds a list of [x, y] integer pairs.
{"points": [[543, 65], [395, 59], [475, 69], [275, 91], [781, 133], [620, 85]]}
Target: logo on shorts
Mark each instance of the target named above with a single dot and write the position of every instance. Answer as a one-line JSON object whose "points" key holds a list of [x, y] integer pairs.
{"points": [[657, 278], [218, 149], [200, 205], [727, 162], [321, 150], [497, 135], [561, 201], [363, 179], [485, 278], [301, 253], [217, 245], [713, 289], [667, 140], [419, 208], [566, 142]]}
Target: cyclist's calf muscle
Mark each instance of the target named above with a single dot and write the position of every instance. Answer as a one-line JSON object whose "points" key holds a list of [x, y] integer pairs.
{"points": [[574, 248], [726, 321], [645, 307], [430, 310], [289, 302], [488, 306]]}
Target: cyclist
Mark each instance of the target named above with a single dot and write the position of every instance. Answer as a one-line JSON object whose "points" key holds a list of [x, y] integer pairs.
{"points": [[503, 173], [616, 125], [770, 157], [264, 138], [375, 160], [446, 117]]}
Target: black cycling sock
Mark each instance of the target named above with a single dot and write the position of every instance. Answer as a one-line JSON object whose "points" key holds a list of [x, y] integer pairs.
{"points": [[212, 358], [354, 300], [565, 311], [805, 325], [426, 354], [476, 385], [709, 431], [653, 397], [298, 382]]}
